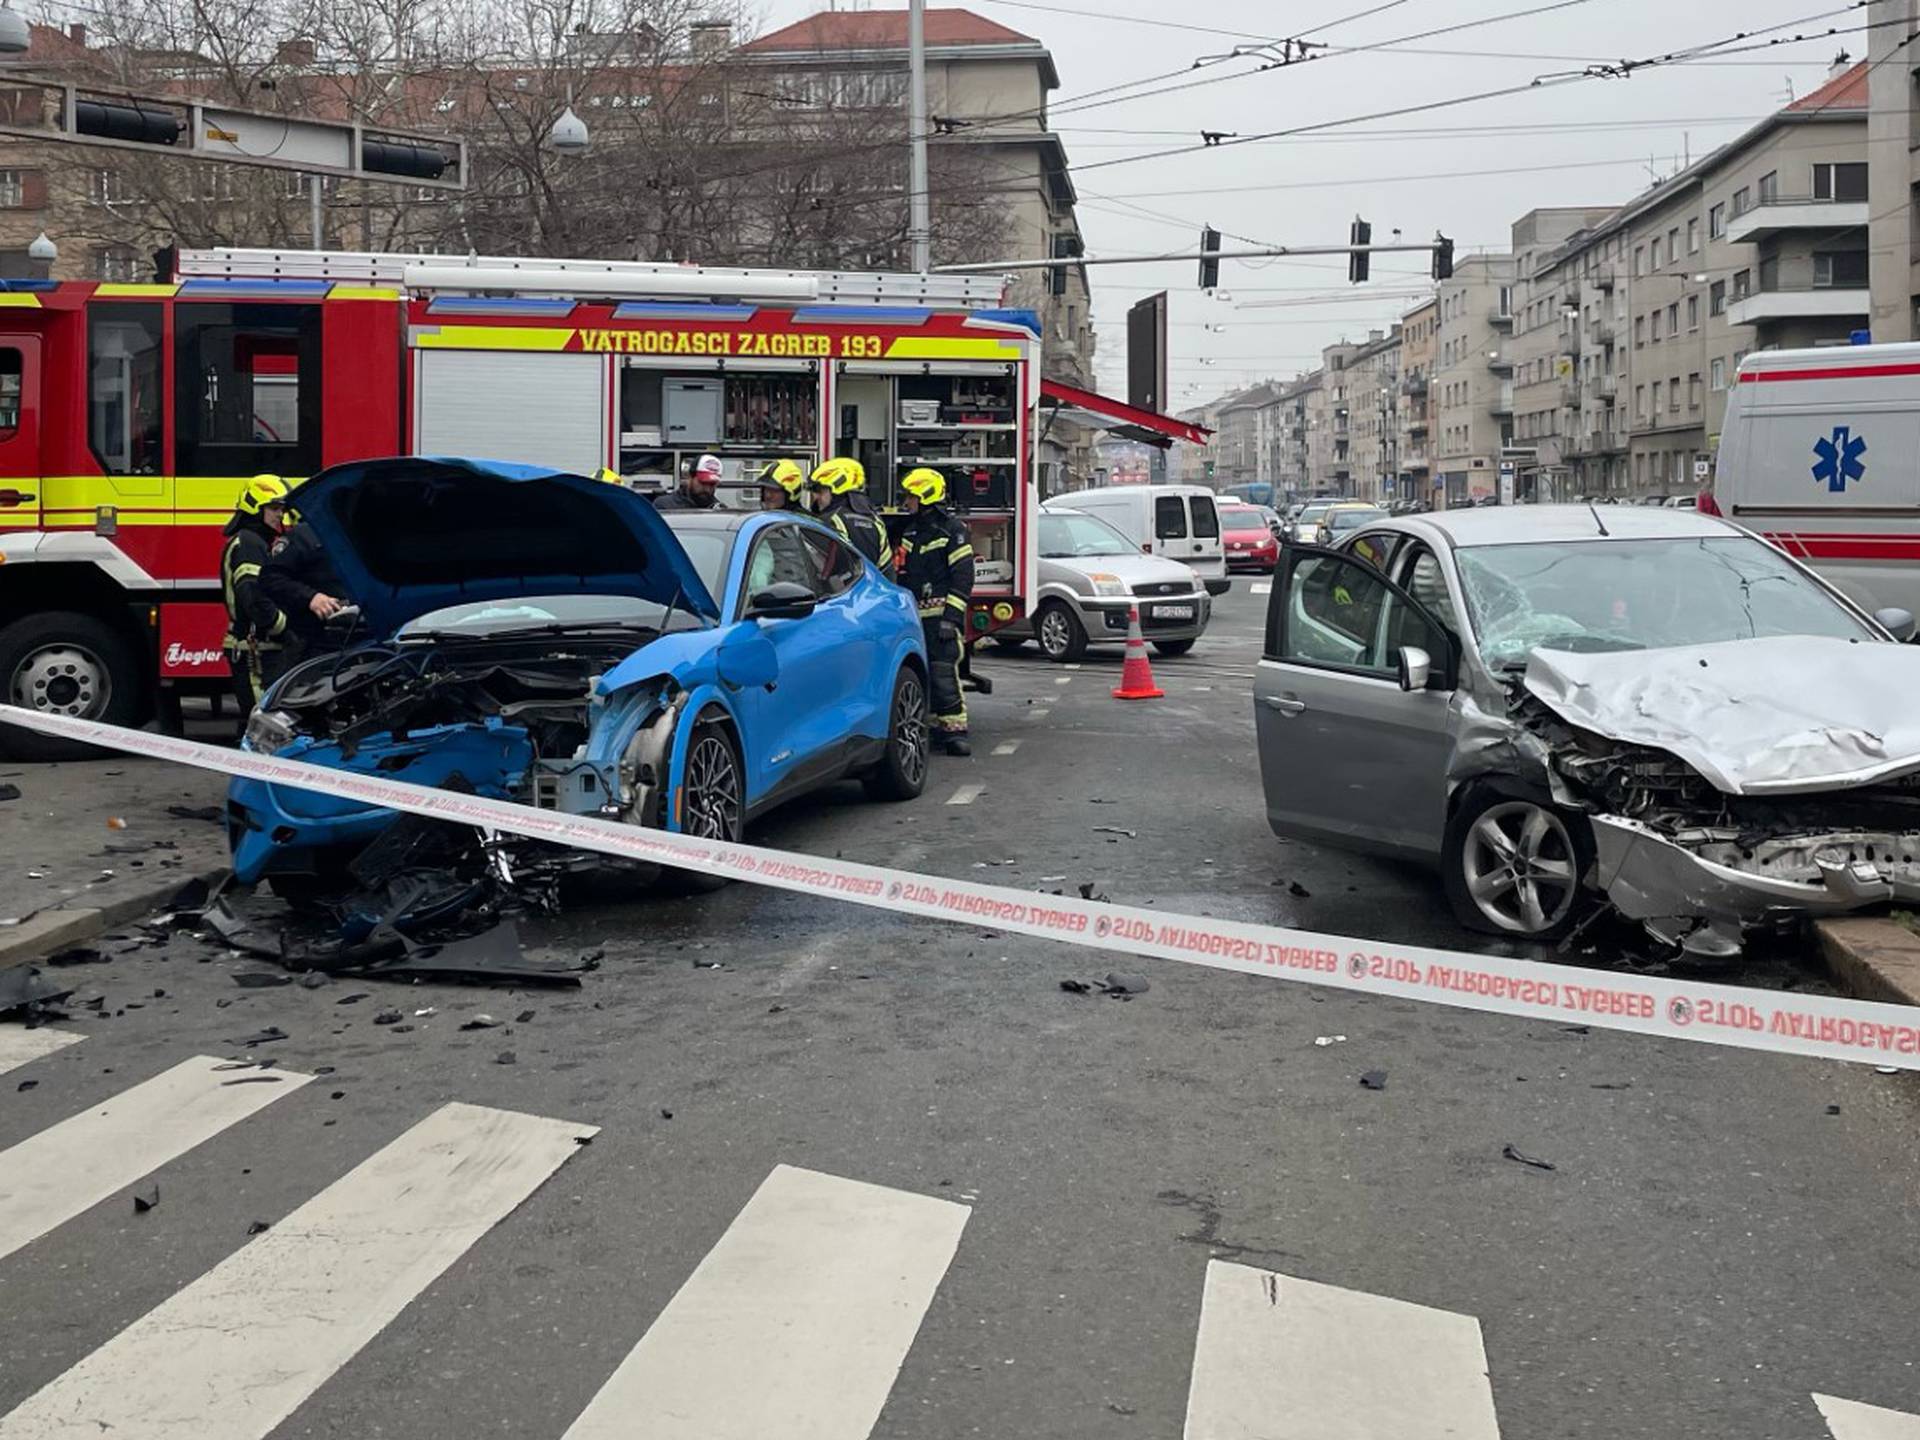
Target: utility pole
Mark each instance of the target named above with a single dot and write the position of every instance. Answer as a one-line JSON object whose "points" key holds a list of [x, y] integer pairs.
{"points": [[317, 212], [920, 207]]}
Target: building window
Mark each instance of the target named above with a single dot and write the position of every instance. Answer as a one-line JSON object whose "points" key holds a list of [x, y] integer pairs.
{"points": [[1742, 201], [1693, 312], [1841, 182], [13, 190], [1655, 336], [107, 187], [1639, 402], [1717, 298], [1718, 373], [1673, 318], [1639, 259], [1717, 221], [116, 262], [1653, 251], [1769, 187], [1769, 274], [1639, 331], [1693, 237], [1693, 391], [1840, 269], [1673, 395], [1673, 244], [1742, 284]]}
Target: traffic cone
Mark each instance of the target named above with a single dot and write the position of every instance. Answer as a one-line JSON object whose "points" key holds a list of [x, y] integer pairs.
{"points": [[1136, 676]]}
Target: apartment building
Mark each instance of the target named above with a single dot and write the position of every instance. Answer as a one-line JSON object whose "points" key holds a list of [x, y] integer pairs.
{"points": [[1473, 376], [1236, 451], [1329, 409], [1373, 390], [1893, 168], [1287, 418], [1552, 354], [1419, 329]]}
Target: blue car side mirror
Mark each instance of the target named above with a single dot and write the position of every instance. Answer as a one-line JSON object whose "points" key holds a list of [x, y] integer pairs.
{"points": [[746, 659], [782, 600]]}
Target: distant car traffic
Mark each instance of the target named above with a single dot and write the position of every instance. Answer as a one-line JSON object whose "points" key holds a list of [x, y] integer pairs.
{"points": [[1304, 523], [1339, 521], [1249, 540], [1175, 522], [1090, 576], [546, 638], [1654, 707]]}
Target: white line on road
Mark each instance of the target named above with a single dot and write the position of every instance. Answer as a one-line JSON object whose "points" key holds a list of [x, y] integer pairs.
{"points": [[1284, 1359], [1073, 666], [1064, 680], [1850, 1420], [21, 1047], [1260, 587], [1039, 714], [1006, 747], [795, 1324], [68, 1168], [965, 795], [234, 1353]]}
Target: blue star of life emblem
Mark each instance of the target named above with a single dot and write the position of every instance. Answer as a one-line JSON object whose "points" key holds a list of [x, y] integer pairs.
{"points": [[1839, 458]]}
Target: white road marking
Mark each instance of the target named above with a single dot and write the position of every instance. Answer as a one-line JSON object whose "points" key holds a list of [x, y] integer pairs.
{"points": [[794, 1325], [234, 1353], [1006, 747], [1260, 587], [1063, 680], [1284, 1359], [965, 795], [1073, 666], [1039, 714], [69, 1167], [1850, 1420], [21, 1047]]}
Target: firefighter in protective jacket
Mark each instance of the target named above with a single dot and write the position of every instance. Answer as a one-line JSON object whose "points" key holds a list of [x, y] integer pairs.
{"points": [[936, 566], [781, 484], [838, 491], [256, 627]]}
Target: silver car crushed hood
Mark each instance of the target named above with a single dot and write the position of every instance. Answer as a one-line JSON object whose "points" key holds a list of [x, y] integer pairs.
{"points": [[1776, 716]]}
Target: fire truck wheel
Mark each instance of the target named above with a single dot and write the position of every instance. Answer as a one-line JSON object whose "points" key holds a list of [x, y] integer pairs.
{"points": [[65, 663]]}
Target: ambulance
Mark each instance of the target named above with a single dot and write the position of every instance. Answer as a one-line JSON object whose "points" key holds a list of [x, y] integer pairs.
{"points": [[1820, 453]]}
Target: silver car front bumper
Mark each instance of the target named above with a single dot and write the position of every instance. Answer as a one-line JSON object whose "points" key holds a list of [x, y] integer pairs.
{"points": [[1105, 617]]}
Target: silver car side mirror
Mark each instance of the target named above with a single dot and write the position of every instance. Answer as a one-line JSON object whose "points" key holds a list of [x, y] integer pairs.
{"points": [[1416, 668], [1896, 622]]}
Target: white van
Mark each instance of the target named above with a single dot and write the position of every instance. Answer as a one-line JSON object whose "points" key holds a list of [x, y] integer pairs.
{"points": [[1820, 453], [1178, 522]]}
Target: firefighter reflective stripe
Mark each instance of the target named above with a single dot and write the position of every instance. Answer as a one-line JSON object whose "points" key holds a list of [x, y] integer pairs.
{"points": [[932, 612], [938, 542], [957, 602], [959, 552], [279, 624], [245, 572]]}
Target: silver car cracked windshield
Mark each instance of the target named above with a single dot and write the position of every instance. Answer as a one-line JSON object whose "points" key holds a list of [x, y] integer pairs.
{"points": [[1563, 708]]}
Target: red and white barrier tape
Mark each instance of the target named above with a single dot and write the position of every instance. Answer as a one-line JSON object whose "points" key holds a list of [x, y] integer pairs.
{"points": [[1825, 1026]]}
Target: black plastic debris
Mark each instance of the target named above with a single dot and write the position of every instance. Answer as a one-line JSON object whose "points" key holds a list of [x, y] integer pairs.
{"points": [[9, 792], [481, 1022], [494, 957], [263, 1037], [314, 979], [1611, 1085], [1087, 892], [25, 992], [1531, 1161], [355, 998], [146, 1197], [506, 1057], [210, 813], [78, 955], [524, 1017], [1833, 1109], [26, 1085], [1298, 891], [1076, 987], [666, 1114], [261, 979], [1374, 1080], [260, 1227], [388, 1017], [1125, 987], [1116, 830], [254, 1080]]}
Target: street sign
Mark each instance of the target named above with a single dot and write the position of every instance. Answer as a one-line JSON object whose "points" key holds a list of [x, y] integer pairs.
{"points": [[1702, 469], [1147, 354]]}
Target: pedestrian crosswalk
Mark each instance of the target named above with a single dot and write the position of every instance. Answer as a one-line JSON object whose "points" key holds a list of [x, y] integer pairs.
{"points": [[796, 1323], [20, 1046]]}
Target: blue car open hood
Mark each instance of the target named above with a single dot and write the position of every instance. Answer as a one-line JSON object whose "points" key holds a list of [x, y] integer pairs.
{"points": [[412, 534]]}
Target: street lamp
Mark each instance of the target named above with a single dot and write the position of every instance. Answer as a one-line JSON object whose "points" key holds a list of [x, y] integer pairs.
{"points": [[43, 249], [15, 34], [569, 133]]}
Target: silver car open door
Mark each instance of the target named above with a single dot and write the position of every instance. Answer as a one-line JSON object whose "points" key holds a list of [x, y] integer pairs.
{"points": [[1353, 706]]}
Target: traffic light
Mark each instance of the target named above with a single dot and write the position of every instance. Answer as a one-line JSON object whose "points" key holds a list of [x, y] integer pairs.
{"points": [[1209, 258], [1357, 260], [1442, 258]]}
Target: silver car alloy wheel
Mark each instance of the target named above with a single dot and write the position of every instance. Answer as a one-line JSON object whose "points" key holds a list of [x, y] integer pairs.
{"points": [[911, 736], [1055, 631], [1520, 867], [712, 808], [62, 679]]}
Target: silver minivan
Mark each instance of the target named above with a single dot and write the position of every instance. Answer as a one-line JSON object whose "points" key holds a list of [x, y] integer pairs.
{"points": [[1175, 522]]}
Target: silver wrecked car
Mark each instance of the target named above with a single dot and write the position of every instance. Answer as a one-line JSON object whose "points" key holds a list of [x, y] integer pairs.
{"points": [[1090, 576], [1651, 706]]}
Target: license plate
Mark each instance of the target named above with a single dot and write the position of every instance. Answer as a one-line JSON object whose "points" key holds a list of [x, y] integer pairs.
{"points": [[1173, 612]]}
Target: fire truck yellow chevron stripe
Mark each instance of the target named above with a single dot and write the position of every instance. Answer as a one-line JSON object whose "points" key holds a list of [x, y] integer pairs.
{"points": [[69, 500], [363, 292], [935, 347], [491, 337], [26, 301], [130, 291]]}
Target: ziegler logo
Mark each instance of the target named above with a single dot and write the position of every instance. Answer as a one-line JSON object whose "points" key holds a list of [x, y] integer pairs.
{"points": [[178, 654]]}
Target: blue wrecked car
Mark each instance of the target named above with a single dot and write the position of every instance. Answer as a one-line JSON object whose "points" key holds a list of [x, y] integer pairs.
{"points": [[552, 640]]}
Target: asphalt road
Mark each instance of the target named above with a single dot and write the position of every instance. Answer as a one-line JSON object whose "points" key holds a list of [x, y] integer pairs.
{"points": [[1716, 1243]]}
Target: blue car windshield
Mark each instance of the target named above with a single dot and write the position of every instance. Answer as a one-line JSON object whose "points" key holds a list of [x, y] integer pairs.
{"points": [[488, 618]]}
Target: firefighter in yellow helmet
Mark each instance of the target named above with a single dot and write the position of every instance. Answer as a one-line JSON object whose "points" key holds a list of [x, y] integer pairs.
{"points": [[838, 495], [256, 627], [936, 566], [781, 482]]}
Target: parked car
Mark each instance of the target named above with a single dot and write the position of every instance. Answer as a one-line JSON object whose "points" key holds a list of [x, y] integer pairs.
{"points": [[1090, 577], [1175, 522], [1305, 523], [1250, 543], [1653, 707], [548, 639]]}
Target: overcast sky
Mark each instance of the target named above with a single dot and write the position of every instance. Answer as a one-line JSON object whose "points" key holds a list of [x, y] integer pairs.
{"points": [[1594, 142]]}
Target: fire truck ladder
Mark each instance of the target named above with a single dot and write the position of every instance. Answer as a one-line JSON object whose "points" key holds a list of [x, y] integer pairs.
{"points": [[638, 279]]}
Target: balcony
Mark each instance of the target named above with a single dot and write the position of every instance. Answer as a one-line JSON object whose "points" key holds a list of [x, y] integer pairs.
{"points": [[1501, 404], [1500, 319], [1802, 212], [1500, 365], [1603, 333], [1806, 303], [1414, 386], [1415, 460], [1417, 424], [1602, 278], [1604, 387]]}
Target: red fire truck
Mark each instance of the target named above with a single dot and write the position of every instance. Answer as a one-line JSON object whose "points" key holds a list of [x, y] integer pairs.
{"points": [[131, 413]]}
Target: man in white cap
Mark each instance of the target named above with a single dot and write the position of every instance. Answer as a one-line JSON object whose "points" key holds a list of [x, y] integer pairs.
{"points": [[696, 492]]}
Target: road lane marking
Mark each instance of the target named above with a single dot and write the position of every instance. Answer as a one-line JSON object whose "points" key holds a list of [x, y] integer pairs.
{"points": [[1260, 587], [233, 1354], [73, 1165], [1039, 714], [1073, 666], [21, 1047], [965, 795], [1850, 1420], [1283, 1359], [1006, 747], [794, 1325], [1063, 680]]}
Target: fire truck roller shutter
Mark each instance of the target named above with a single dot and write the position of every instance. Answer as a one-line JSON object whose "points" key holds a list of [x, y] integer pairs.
{"points": [[538, 409]]}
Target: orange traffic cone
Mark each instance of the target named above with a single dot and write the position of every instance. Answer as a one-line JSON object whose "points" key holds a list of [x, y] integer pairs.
{"points": [[1136, 676]]}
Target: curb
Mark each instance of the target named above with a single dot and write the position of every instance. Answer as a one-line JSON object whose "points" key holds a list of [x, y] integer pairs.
{"points": [[49, 930], [1873, 959]]}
